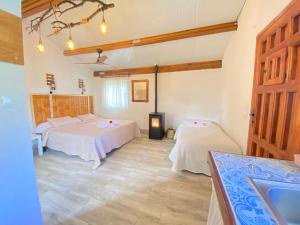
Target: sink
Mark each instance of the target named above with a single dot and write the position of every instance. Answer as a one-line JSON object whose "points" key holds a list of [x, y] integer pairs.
{"points": [[282, 199], [287, 202]]}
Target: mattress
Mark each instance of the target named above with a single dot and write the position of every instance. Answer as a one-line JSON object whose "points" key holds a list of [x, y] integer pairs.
{"points": [[88, 140], [193, 142]]}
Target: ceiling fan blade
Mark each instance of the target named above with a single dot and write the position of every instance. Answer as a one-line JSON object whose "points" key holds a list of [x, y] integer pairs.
{"points": [[86, 63], [106, 64], [101, 59]]}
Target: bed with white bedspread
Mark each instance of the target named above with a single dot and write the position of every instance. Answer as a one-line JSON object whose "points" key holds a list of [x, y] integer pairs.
{"points": [[193, 141], [90, 140]]}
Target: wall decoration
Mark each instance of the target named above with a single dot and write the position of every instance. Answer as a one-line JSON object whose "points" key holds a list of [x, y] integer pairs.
{"points": [[50, 80], [140, 90], [81, 86]]}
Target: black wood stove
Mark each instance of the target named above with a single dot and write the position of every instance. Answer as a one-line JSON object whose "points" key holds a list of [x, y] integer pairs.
{"points": [[156, 119]]}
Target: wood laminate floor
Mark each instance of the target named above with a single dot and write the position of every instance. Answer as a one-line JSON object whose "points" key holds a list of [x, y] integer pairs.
{"points": [[133, 186]]}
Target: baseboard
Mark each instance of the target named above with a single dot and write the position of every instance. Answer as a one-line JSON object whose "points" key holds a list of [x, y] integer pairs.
{"points": [[144, 131]]}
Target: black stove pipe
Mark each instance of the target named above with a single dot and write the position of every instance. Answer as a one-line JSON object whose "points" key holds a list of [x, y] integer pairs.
{"points": [[156, 71]]}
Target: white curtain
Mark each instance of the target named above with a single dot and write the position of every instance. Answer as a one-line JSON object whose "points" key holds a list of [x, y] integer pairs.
{"points": [[115, 92]]}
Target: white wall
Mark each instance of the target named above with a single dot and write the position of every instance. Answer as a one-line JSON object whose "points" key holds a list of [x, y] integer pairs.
{"points": [[190, 94], [238, 66], [66, 72]]}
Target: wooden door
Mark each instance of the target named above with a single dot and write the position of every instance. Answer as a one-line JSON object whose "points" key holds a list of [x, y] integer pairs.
{"points": [[274, 130]]}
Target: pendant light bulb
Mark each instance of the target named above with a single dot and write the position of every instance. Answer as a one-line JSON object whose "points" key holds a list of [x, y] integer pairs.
{"points": [[40, 46], [70, 43], [103, 25]]}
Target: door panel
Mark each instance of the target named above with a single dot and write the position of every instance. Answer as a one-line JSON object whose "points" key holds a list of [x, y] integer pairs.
{"points": [[274, 68], [275, 115]]}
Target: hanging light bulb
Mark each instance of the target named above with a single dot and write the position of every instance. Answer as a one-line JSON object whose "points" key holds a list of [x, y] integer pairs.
{"points": [[103, 25], [40, 46], [70, 43]]}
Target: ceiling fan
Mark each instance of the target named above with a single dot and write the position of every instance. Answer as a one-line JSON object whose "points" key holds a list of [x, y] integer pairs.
{"points": [[99, 61]]}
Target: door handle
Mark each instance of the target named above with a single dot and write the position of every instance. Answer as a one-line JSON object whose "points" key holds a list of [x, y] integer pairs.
{"points": [[252, 115]]}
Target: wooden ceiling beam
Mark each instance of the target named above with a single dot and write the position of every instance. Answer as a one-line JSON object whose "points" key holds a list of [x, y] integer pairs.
{"points": [[201, 31], [162, 69], [31, 7]]}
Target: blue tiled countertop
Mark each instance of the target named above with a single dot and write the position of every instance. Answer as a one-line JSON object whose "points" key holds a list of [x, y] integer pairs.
{"points": [[234, 170]]}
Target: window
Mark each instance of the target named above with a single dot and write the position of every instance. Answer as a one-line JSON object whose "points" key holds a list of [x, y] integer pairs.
{"points": [[115, 92]]}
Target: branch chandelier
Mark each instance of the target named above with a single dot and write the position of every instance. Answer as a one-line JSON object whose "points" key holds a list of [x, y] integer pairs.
{"points": [[58, 25]]}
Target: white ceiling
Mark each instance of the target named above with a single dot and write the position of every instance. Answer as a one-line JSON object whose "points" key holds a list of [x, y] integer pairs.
{"points": [[132, 19]]}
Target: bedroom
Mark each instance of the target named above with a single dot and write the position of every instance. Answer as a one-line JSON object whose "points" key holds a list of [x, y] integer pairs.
{"points": [[137, 112]]}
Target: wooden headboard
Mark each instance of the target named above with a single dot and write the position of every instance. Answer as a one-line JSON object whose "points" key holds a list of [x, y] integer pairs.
{"points": [[41, 108], [52, 106], [70, 105]]}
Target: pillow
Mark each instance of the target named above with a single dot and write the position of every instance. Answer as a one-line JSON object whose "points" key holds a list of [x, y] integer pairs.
{"points": [[41, 128], [62, 121], [87, 117], [196, 122]]}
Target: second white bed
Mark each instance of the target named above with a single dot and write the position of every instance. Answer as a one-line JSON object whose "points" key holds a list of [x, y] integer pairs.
{"points": [[193, 141]]}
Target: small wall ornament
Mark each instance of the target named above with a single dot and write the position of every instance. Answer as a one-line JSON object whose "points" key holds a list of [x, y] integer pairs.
{"points": [[50, 79], [81, 86]]}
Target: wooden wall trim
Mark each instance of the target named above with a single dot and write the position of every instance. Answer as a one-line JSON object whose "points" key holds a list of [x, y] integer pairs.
{"points": [[162, 69], [200, 31], [11, 38], [224, 204]]}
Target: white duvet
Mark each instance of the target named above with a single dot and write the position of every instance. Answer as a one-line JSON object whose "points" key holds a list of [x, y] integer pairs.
{"points": [[89, 141], [193, 143]]}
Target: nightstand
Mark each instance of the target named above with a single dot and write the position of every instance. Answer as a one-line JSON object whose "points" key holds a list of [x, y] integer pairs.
{"points": [[38, 140]]}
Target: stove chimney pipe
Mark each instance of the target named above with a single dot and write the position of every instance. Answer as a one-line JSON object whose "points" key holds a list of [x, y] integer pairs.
{"points": [[156, 68]]}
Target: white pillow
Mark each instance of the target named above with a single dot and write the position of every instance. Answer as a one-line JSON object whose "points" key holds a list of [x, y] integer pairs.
{"points": [[88, 117], [196, 122], [62, 121], [41, 128]]}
